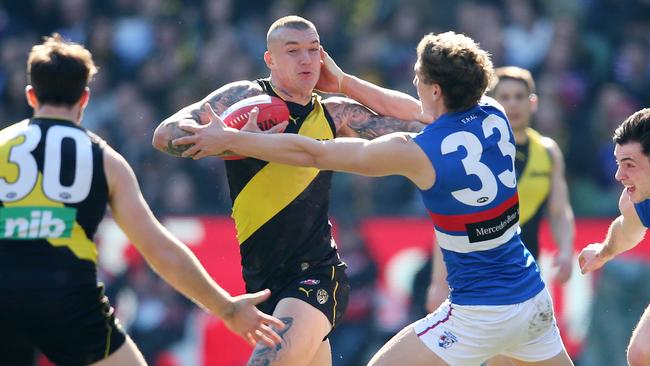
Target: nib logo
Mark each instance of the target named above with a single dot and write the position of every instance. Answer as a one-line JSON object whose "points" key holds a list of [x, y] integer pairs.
{"points": [[36, 222]]}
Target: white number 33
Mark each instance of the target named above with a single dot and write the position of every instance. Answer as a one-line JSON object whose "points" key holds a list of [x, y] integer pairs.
{"points": [[473, 165]]}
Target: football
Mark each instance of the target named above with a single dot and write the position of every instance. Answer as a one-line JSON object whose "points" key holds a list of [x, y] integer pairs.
{"points": [[272, 110]]}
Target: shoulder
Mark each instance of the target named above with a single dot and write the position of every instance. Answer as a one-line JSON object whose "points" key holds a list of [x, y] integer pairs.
{"points": [[13, 129], [337, 103], [232, 93], [552, 147], [117, 169], [343, 110], [490, 102]]}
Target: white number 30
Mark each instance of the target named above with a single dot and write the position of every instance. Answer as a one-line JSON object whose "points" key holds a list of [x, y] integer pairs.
{"points": [[21, 155]]}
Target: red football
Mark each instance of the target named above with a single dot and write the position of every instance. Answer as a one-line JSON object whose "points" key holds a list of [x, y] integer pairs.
{"points": [[272, 110]]}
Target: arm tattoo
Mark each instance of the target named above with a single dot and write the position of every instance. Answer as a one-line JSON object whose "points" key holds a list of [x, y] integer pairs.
{"points": [[263, 355], [175, 133], [365, 124], [220, 100]]}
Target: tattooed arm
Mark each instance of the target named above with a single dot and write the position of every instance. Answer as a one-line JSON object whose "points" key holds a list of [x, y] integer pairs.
{"points": [[220, 99], [355, 120]]}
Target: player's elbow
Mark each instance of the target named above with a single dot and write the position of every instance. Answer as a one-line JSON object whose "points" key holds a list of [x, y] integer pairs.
{"points": [[637, 355], [161, 136]]}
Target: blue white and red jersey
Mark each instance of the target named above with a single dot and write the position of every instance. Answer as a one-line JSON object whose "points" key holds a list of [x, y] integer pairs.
{"points": [[475, 208], [643, 209]]}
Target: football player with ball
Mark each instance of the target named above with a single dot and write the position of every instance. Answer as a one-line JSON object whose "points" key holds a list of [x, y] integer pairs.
{"points": [[280, 211], [463, 165]]}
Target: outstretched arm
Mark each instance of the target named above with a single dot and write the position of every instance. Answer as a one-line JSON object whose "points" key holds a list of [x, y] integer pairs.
{"points": [[386, 102], [220, 100], [175, 263], [560, 214], [625, 232], [394, 154]]}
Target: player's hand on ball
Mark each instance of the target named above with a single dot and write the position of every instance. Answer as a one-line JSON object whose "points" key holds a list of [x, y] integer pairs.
{"points": [[251, 324], [591, 258], [207, 139], [252, 126]]}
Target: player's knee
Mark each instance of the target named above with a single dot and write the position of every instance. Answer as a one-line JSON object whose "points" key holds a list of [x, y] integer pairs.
{"points": [[637, 355]]}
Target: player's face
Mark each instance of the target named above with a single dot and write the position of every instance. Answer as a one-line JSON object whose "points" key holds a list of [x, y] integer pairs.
{"points": [[295, 59], [515, 97], [633, 170], [425, 91]]}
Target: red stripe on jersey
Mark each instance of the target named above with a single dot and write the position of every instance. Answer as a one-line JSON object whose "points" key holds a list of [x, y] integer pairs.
{"points": [[458, 222]]}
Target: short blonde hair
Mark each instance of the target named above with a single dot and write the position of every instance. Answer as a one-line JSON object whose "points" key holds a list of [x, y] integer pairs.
{"points": [[515, 73]]}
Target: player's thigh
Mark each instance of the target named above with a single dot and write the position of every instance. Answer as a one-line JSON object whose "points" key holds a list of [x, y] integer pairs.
{"points": [[127, 354], [561, 359], [639, 348], [323, 356], [406, 348], [305, 329]]}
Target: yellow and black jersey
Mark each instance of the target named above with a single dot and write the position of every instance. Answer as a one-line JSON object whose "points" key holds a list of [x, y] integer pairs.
{"points": [[281, 211], [533, 166], [53, 195]]}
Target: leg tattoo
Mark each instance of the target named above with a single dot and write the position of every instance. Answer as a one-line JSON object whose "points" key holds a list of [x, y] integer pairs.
{"points": [[263, 355]]}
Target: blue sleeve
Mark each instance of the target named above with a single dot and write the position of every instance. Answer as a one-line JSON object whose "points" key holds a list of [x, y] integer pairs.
{"points": [[643, 210]]}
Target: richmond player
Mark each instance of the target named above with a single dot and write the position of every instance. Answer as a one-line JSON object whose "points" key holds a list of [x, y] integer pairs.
{"points": [[56, 179]]}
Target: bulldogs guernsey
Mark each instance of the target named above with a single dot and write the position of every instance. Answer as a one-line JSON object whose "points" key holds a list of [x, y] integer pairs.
{"points": [[643, 210], [475, 207]]}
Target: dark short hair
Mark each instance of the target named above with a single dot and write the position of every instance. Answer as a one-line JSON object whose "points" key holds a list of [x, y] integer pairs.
{"points": [[59, 71], [517, 74], [290, 21], [636, 128], [456, 63]]}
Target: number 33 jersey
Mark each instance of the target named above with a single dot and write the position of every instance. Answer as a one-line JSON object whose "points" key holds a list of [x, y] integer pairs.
{"points": [[475, 207], [53, 194]]}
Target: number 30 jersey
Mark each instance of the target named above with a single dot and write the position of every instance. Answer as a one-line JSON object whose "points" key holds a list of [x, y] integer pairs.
{"points": [[53, 194], [475, 207]]}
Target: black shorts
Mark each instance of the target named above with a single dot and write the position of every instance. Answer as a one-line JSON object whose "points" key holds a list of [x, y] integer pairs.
{"points": [[70, 327], [325, 288]]}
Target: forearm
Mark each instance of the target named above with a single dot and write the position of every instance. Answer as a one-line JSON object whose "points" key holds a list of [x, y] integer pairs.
{"points": [[383, 101], [288, 149], [563, 229], [179, 267], [618, 240], [166, 132]]}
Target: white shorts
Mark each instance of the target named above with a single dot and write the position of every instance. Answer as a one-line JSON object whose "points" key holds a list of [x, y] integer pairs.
{"points": [[465, 335]]}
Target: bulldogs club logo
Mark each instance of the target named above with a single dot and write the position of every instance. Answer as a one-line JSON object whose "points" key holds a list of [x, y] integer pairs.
{"points": [[447, 339]]}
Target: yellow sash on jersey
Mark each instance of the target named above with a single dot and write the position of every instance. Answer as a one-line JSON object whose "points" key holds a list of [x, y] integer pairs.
{"points": [[276, 185], [534, 184], [78, 242]]}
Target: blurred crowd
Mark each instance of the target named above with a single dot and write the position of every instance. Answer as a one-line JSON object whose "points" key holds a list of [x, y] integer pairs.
{"points": [[591, 60]]}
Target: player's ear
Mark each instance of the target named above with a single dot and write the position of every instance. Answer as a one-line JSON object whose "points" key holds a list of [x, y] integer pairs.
{"points": [[30, 95], [268, 59], [534, 102], [85, 97]]}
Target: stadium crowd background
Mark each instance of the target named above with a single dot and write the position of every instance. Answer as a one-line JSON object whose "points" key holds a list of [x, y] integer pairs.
{"points": [[590, 58]]}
